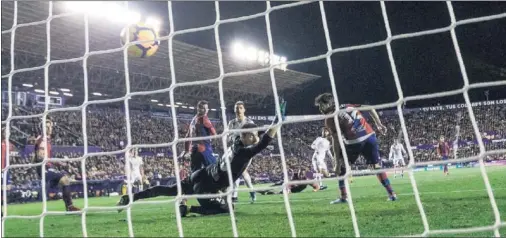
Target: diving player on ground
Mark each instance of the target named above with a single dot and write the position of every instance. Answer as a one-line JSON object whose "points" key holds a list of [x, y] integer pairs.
{"points": [[214, 177], [202, 151], [239, 121], [397, 154], [321, 147], [359, 139], [53, 177]]}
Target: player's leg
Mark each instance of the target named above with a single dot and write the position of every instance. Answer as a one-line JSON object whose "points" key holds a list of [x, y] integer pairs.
{"points": [[395, 167], [445, 166], [323, 172], [157, 191], [316, 170], [235, 194], [403, 164], [353, 152], [371, 154], [58, 179], [247, 181]]}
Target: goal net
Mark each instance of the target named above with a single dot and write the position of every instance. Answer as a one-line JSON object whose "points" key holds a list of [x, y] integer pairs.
{"points": [[10, 35]]}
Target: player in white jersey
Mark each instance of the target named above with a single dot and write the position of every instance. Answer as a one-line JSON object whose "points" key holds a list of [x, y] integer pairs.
{"points": [[237, 123], [321, 147], [397, 155], [136, 169]]}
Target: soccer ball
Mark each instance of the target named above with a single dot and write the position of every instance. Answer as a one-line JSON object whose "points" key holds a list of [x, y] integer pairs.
{"points": [[140, 32]]}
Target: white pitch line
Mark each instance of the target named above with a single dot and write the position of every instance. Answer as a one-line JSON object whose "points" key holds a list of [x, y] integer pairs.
{"points": [[306, 199]]}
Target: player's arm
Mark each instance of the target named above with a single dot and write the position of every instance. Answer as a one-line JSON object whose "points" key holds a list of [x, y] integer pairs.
{"points": [[330, 155], [377, 121], [141, 168], [438, 150], [188, 144], [313, 146], [404, 153], [209, 125], [391, 154], [229, 126], [264, 142], [35, 157], [338, 158]]}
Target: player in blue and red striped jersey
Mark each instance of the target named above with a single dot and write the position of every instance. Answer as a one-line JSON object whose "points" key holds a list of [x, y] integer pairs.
{"points": [[201, 153], [5, 144], [53, 177], [443, 151], [359, 139]]}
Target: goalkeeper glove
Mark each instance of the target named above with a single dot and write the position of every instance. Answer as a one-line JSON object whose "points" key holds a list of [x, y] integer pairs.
{"points": [[282, 106]]}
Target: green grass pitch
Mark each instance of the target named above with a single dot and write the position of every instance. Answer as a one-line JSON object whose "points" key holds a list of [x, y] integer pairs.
{"points": [[457, 201]]}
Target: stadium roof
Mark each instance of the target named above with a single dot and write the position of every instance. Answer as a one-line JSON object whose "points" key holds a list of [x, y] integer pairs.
{"points": [[192, 63]]}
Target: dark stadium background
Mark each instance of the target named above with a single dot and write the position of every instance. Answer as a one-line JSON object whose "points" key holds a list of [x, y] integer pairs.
{"points": [[425, 64]]}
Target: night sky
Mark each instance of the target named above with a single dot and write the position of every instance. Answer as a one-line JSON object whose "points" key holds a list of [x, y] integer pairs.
{"points": [[425, 64]]}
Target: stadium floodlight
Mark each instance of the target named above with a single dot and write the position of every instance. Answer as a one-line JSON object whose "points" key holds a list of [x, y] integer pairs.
{"points": [[154, 100], [68, 94], [28, 85], [179, 103], [176, 106], [54, 93], [39, 91], [167, 105], [97, 94], [160, 104], [184, 106], [64, 89], [250, 54], [213, 109], [238, 49], [192, 107]]}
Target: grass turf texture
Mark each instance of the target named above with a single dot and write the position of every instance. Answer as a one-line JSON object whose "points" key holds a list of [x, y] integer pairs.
{"points": [[457, 201]]}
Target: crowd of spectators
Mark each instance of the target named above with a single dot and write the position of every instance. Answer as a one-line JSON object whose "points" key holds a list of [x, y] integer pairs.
{"points": [[107, 129]]}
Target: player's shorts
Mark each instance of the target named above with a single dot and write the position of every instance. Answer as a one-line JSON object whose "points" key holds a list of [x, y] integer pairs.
{"points": [[204, 154], [52, 176], [368, 148], [319, 165], [134, 177], [444, 157], [399, 162]]}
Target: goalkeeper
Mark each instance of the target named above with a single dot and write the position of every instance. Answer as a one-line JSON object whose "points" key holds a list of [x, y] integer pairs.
{"points": [[214, 177]]}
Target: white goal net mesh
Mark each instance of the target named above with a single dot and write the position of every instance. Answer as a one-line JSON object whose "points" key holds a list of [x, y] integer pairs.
{"points": [[427, 230]]}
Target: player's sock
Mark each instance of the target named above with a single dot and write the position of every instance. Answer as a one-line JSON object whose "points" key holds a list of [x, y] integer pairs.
{"points": [[67, 196], [342, 188], [445, 169], [402, 173], [235, 194], [383, 178]]}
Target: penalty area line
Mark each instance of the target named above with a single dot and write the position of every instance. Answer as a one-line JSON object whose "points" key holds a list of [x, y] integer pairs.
{"points": [[300, 200]]}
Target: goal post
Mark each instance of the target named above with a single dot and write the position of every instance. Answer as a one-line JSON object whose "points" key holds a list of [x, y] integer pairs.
{"points": [[398, 104]]}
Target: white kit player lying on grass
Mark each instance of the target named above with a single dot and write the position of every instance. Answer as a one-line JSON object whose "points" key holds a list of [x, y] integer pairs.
{"points": [[237, 123], [137, 177], [397, 155], [321, 147]]}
